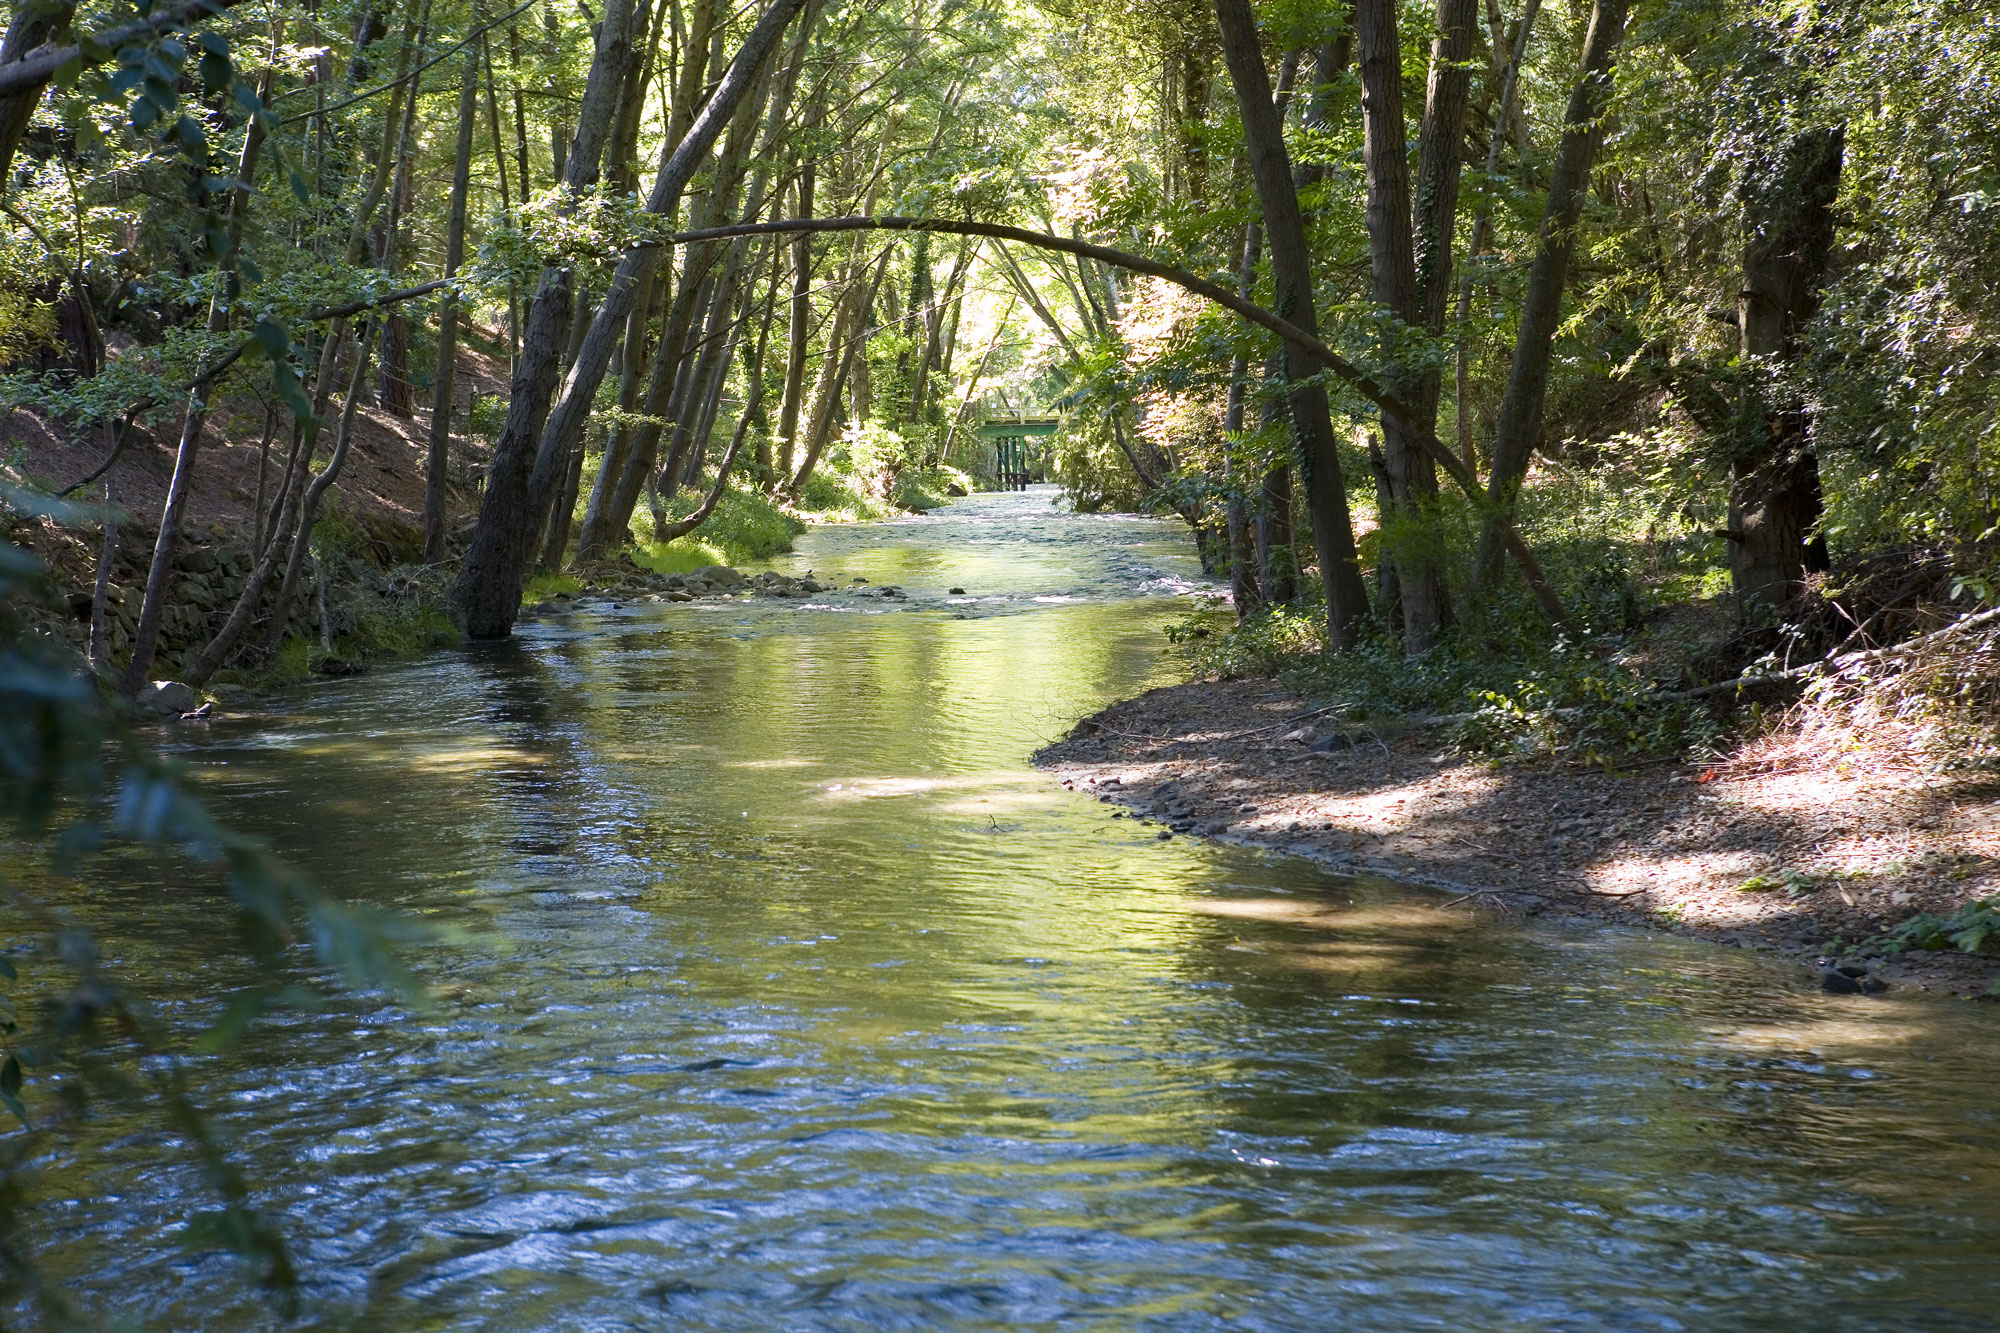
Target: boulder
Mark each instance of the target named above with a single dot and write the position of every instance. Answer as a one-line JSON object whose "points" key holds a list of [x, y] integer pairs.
{"points": [[196, 560], [720, 575], [169, 696]]}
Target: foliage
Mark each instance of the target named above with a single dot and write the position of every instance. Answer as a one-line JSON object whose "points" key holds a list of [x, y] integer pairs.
{"points": [[745, 526], [1973, 928]]}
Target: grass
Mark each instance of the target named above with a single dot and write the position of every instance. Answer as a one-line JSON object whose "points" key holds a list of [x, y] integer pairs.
{"points": [[745, 526], [544, 586]]}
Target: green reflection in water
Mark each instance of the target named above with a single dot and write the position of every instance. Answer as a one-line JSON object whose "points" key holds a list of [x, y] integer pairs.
{"points": [[794, 999]]}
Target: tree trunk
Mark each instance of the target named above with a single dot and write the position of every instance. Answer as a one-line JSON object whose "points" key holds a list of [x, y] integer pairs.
{"points": [[1482, 222], [1774, 499], [488, 590], [437, 463], [799, 333], [486, 594], [1541, 309], [1291, 270], [33, 25], [316, 492], [146, 636]]}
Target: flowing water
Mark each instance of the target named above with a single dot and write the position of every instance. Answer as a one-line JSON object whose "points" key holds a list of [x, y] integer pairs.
{"points": [[783, 996]]}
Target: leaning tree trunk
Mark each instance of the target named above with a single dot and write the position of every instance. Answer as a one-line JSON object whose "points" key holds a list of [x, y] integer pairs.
{"points": [[1774, 498], [486, 593], [1291, 271], [1541, 309], [152, 610], [488, 590]]}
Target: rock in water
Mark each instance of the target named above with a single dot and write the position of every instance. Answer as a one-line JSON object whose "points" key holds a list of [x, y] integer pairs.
{"points": [[1848, 979], [169, 696]]}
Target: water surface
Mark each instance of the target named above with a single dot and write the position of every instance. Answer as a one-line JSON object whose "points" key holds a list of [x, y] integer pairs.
{"points": [[789, 998]]}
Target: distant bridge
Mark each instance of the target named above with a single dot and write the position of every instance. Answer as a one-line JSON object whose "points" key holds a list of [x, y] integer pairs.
{"points": [[1017, 459]]}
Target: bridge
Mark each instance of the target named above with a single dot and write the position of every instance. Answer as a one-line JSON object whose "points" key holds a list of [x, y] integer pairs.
{"points": [[1014, 440]]}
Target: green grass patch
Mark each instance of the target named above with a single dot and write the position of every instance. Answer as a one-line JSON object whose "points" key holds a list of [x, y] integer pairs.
{"points": [[678, 556], [745, 526], [544, 586]]}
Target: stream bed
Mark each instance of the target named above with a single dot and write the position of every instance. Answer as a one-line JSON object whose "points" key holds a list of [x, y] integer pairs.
{"points": [[782, 994]]}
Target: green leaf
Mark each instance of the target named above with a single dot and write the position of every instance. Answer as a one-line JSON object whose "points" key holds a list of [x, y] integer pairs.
{"points": [[216, 72], [236, 1018], [10, 1074], [68, 72], [299, 187], [273, 338]]}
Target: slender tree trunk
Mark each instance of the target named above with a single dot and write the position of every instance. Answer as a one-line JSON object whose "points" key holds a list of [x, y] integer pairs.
{"points": [[1291, 270], [100, 639], [1482, 226], [316, 492], [1277, 565], [799, 333], [1541, 309], [146, 636], [438, 463]]}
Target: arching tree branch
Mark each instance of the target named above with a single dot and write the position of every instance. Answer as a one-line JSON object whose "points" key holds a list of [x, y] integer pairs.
{"points": [[1420, 433]]}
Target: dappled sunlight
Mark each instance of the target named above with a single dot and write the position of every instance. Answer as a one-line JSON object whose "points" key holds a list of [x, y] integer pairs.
{"points": [[457, 760]]}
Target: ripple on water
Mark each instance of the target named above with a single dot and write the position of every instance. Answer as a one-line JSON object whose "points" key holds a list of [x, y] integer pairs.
{"points": [[784, 996]]}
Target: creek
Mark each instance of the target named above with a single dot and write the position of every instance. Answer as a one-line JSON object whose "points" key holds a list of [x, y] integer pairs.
{"points": [[780, 993]]}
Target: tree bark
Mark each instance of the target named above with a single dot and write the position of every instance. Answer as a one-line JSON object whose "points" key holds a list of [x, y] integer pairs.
{"points": [[1541, 309], [1291, 270], [798, 333]]}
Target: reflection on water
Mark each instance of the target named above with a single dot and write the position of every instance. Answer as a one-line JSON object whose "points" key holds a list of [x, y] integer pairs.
{"points": [[791, 1000]]}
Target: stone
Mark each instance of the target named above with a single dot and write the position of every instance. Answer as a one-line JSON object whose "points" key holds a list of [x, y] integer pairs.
{"points": [[231, 694], [169, 696], [953, 489], [678, 595], [957, 592], [196, 560], [720, 575]]}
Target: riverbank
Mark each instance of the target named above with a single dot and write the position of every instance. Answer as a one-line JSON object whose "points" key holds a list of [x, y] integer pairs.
{"points": [[1798, 862]]}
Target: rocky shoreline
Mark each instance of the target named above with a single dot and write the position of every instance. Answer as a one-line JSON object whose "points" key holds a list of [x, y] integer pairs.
{"points": [[1796, 864]]}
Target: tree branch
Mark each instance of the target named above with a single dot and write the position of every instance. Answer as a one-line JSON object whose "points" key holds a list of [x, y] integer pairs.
{"points": [[34, 70], [1421, 433]]}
